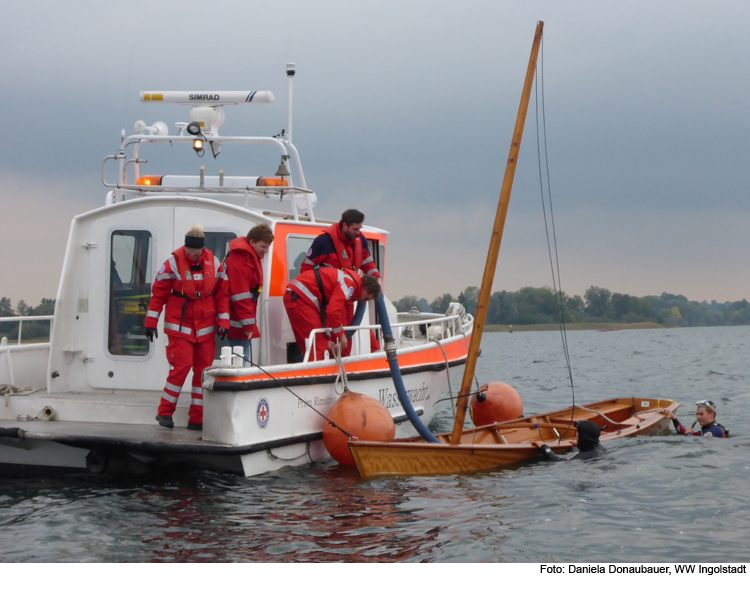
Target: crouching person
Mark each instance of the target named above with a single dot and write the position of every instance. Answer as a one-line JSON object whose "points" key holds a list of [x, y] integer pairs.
{"points": [[193, 286], [318, 299]]}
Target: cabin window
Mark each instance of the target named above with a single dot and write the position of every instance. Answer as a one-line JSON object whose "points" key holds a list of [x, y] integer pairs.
{"points": [[378, 253], [129, 291], [296, 253], [218, 243]]}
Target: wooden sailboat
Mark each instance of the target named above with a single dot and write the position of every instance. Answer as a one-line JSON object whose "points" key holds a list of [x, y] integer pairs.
{"points": [[511, 441]]}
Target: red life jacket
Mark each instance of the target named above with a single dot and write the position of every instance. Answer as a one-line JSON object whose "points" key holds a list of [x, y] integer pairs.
{"points": [[184, 282], [350, 256], [190, 306]]}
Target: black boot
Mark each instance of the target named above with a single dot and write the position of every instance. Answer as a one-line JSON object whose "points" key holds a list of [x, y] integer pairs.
{"points": [[165, 421], [195, 426]]}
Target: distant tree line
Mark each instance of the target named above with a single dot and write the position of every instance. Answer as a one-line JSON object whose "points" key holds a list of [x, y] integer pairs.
{"points": [[539, 305], [528, 305], [31, 329]]}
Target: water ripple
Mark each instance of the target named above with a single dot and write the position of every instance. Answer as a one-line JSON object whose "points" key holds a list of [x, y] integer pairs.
{"points": [[666, 498]]}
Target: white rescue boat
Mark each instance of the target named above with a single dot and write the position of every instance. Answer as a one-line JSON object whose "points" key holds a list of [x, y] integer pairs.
{"points": [[87, 398]]}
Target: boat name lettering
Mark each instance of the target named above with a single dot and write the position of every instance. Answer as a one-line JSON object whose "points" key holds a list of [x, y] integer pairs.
{"points": [[315, 401], [390, 399], [204, 97]]}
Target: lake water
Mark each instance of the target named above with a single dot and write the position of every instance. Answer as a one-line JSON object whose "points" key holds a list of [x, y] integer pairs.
{"points": [[650, 499]]}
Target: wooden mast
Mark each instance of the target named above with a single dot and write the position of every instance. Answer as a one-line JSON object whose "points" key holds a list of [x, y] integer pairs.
{"points": [[497, 235]]}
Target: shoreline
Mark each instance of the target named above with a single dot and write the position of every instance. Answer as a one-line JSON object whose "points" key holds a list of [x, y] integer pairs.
{"points": [[574, 326]]}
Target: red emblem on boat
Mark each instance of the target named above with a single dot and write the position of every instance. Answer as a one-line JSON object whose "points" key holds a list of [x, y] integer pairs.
{"points": [[262, 413]]}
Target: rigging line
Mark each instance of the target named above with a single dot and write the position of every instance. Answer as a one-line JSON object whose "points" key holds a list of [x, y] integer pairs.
{"points": [[341, 377], [447, 373], [554, 240], [563, 332], [554, 232], [556, 278], [329, 421], [457, 396], [556, 291]]}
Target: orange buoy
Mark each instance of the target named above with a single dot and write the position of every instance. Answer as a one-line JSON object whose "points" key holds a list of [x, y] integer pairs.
{"points": [[361, 416], [501, 403]]}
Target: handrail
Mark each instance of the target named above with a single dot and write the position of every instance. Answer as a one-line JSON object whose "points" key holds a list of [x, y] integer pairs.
{"points": [[310, 349], [188, 139], [20, 320], [260, 191]]}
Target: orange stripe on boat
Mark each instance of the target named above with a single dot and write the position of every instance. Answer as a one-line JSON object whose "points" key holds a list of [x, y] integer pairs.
{"points": [[454, 351]]}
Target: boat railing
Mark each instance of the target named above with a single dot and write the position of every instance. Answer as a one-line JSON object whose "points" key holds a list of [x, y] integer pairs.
{"points": [[298, 194], [446, 327], [297, 197], [20, 320]]}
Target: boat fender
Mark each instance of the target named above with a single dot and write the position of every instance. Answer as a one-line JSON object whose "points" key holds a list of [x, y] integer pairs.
{"points": [[398, 382]]}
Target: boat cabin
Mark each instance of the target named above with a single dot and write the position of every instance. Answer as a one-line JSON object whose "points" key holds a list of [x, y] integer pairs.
{"points": [[98, 340]]}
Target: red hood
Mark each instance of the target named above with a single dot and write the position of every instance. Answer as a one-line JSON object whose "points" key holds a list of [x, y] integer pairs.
{"points": [[241, 244]]}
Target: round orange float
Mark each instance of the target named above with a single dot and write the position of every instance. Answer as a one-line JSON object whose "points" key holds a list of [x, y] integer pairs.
{"points": [[501, 403], [361, 416]]}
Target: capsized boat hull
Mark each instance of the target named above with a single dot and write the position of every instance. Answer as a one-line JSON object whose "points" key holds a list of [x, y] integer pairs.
{"points": [[509, 442]]}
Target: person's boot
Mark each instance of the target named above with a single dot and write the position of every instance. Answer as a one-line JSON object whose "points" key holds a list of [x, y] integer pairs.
{"points": [[165, 421], [195, 426]]}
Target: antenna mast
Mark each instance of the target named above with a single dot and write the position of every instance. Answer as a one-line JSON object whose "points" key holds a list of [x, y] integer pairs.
{"points": [[290, 71]]}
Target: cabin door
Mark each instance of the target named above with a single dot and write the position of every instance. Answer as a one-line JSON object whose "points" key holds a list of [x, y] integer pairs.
{"points": [[130, 249]]}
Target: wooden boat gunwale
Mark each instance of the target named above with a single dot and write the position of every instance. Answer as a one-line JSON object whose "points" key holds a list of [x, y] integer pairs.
{"points": [[478, 455]]}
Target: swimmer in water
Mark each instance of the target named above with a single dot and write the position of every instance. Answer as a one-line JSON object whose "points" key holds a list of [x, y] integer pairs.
{"points": [[705, 416], [588, 444]]}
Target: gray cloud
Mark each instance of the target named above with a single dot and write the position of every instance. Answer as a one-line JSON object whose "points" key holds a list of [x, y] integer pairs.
{"points": [[405, 110]]}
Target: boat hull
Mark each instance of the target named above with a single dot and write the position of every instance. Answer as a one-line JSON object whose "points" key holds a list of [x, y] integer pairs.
{"points": [[236, 438], [509, 442]]}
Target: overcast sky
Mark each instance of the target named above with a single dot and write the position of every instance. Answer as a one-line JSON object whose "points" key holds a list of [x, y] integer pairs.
{"points": [[405, 110]]}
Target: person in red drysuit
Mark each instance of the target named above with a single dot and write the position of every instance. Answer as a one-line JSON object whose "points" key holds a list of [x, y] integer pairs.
{"points": [[194, 287], [342, 246], [245, 271], [309, 309]]}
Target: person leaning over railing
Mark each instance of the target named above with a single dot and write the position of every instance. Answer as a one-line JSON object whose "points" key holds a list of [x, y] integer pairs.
{"points": [[343, 246], [318, 299]]}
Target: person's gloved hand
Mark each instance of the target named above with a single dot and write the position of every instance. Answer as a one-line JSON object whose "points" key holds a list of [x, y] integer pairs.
{"points": [[151, 334], [223, 332]]}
